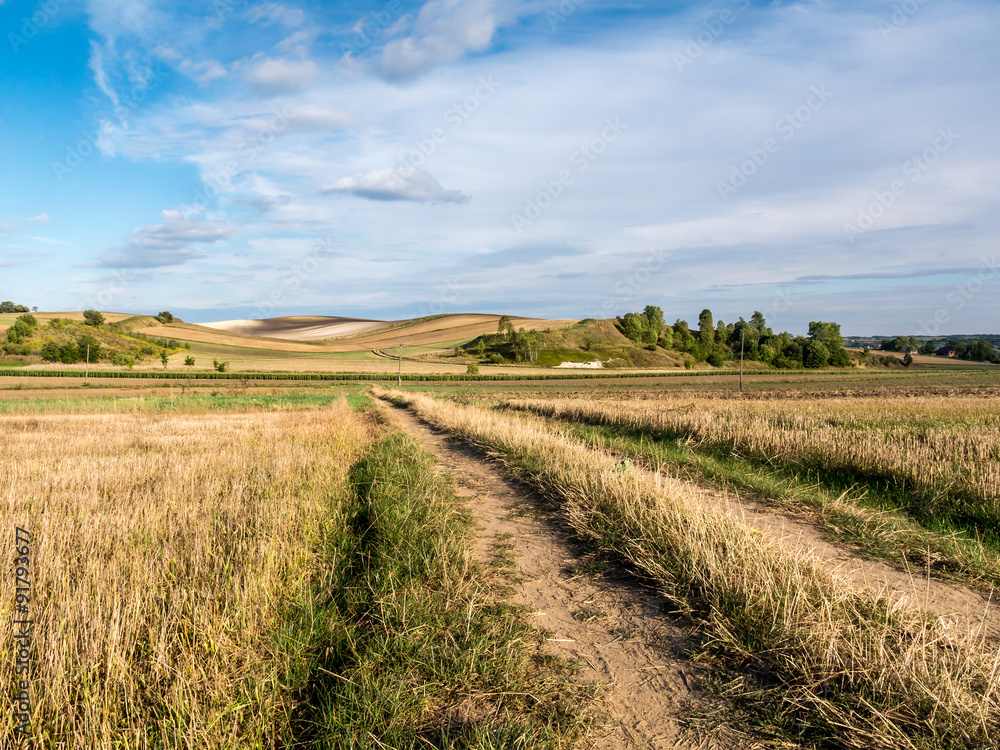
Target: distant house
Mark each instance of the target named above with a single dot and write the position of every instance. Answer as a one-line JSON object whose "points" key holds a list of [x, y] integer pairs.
{"points": [[945, 351]]}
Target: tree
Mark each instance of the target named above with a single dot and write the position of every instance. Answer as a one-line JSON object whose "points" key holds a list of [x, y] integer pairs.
{"points": [[706, 328], [654, 323], [634, 326], [505, 328], [721, 333], [189, 361], [907, 360], [165, 317], [165, 359], [816, 354], [93, 318], [10, 307], [34, 309], [481, 348], [827, 334], [472, 369], [757, 321]]}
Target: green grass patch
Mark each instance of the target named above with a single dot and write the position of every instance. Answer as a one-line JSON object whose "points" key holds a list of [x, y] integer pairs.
{"points": [[409, 647]]}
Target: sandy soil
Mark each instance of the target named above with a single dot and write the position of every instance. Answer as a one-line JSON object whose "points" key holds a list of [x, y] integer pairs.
{"points": [[613, 627]]}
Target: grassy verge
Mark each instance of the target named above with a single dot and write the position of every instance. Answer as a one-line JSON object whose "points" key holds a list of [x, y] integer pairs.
{"points": [[865, 518], [813, 659], [409, 646], [933, 459]]}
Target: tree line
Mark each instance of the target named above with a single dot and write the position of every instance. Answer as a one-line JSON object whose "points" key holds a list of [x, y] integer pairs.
{"points": [[716, 342]]}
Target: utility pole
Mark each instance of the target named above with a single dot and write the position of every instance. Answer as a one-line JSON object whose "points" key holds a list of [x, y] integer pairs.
{"points": [[743, 333], [399, 373], [86, 377]]}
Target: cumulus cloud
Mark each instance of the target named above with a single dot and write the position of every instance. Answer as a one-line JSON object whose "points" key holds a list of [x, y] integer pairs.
{"points": [[168, 244], [273, 76], [393, 185], [443, 31]]}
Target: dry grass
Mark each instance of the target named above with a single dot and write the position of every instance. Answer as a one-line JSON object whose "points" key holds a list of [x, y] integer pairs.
{"points": [[832, 664], [944, 452], [168, 548]]}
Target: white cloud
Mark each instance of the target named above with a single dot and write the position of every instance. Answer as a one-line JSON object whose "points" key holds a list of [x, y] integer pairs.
{"points": [[392, 185], [40, 219], [171, 243], [281, 75], [443, 31]]}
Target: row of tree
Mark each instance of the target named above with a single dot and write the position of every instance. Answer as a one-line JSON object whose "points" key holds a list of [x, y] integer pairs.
{"points": [[717, 342], [9, 307], [980, 350]]}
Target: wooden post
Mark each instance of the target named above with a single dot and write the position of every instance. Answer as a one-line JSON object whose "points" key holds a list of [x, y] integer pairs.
{"points": [[399, 373], [743, 333], [86, 376]]}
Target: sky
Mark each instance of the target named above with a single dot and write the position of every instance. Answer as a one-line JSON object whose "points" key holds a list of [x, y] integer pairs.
{"points": [[553, 158]]}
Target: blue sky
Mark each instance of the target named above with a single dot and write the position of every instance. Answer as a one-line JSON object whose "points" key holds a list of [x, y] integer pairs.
{"points": [[557, 158]]}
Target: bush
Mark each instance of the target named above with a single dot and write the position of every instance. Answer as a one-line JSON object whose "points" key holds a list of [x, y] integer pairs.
{"points": [[29, 319], [221, 366], [123, 359], [93, 318], [18, 332], [86, 344], [497, 359], [472, 369], [189, 361], [165, 317]]}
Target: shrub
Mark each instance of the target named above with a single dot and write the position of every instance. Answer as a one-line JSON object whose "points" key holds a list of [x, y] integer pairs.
{"points": [[123, 359], [189, 361], [164, 359], [165, 317], [221, 366], [88, 347], [93, 318], [472, 369], [497, 359]]}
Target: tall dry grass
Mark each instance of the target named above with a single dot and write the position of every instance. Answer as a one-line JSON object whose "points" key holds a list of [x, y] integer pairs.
{"points": [[945, 452], [168, 549], [834, 664]]}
